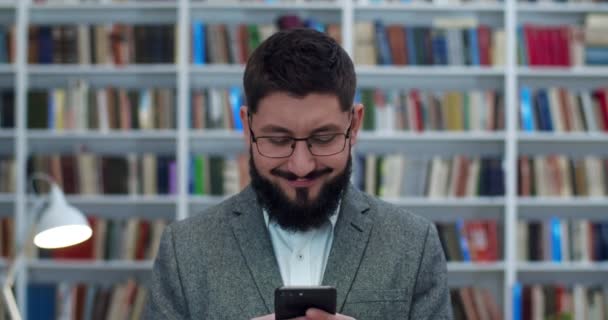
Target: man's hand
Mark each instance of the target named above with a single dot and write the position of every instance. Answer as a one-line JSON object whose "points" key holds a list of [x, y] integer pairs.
{"points": [[312, 314], [316, 314]]}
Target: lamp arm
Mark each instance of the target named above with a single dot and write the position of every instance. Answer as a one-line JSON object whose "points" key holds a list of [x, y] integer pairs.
{"points": [[24, 248]]}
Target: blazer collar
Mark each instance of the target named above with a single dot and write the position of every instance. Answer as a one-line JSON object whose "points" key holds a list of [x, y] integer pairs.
{"points": [[351, 234]]}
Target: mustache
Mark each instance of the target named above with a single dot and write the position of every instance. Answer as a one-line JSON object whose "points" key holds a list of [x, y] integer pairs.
{"points": [[292, 176]]}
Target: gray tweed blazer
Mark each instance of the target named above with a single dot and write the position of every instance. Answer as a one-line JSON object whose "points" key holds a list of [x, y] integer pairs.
{"points": [[385, 263]]}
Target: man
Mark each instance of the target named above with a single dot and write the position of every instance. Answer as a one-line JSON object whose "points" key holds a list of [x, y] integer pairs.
{"points": [[300, 222]]}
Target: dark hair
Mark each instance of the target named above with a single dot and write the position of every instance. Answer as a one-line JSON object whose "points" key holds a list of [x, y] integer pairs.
{"points": [[299, 62]]}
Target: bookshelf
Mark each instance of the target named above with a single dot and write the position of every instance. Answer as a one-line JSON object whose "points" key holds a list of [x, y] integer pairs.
{"points": [[183, 76]]}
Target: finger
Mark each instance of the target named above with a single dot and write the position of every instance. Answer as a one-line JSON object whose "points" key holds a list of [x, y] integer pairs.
{"points": [[317, 314]]}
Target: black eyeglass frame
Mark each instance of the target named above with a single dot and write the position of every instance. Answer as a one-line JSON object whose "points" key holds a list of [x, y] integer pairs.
{"points": [[295, 140]]}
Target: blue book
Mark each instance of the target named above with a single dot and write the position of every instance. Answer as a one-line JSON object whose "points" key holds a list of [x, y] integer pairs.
{"points": [[464, 245], [41, 301], [556, 239], [596, 55], [440, 49], [517, 301], [544, 112], [411, 46], [521, 47], [198, 42], [314, 24], [236, 101], [45, 45], [3, 48], [474, 47], [526, 112], [384, 51]]}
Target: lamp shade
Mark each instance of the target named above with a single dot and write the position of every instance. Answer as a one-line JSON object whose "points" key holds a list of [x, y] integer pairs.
{"points": [[60, 224]]}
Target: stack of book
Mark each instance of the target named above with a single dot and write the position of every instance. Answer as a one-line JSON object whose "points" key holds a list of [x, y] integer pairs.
{"points": [[560, 176], [111, 44], [416, 111], [563, 110], [215, 108], [447, 41], [82, 108], [563, 302], [214, 175], [86, 301], [471, 240], [469, 303], [233, 43], [90, 174], [435, 177]]}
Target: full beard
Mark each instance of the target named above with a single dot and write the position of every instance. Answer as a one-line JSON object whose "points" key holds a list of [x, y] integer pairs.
{"points": [[301, 214]]}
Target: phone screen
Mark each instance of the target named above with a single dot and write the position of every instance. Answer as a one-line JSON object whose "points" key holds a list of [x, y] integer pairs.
{"points": [[291, 302]]}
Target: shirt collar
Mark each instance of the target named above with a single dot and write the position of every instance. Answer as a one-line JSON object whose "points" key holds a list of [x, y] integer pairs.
{"points": [[333, 218]]}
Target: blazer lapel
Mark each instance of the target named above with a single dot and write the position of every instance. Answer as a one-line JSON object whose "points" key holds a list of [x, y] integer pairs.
{"points": [[252, 235], [351, 235]]}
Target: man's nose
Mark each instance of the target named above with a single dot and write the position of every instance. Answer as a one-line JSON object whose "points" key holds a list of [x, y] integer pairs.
{"points": [[301, 162]]}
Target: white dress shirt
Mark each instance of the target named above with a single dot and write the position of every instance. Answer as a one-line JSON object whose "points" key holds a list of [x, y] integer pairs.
{"points": [[302, 256]]}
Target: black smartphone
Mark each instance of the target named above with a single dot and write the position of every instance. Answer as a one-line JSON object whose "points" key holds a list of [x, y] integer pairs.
{"points": [[291, 302]]}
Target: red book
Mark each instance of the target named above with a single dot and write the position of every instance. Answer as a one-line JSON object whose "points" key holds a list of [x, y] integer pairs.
{"points": [[484, 37], [531, 39], [544, 50], [564, 45], [415, 95], [602, 99], [143, 240], [492, 231], [555, 51], [477, 237], [82, 250]]}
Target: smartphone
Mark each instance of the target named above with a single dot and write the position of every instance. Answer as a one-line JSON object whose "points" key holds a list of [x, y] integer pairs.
{"points": [[291, 302]]}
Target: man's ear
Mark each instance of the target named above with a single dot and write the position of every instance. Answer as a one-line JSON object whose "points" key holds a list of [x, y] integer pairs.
{"points": [[357, 122], [244, 114]]}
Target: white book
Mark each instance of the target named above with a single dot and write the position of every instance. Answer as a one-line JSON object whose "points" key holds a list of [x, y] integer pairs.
{"points": [[588, 111], [149, 170], [84, 48], [575, 112], [555, 110], [538, 303], [102, 110], [133, 180], [580, 302], [522, 240], [477, 110], [565, 240]]}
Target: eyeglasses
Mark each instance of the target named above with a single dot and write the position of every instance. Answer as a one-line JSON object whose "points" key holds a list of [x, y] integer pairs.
{"points": [[326, 144]]}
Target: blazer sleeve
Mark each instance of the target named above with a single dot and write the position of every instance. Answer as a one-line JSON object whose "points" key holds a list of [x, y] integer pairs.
{"points": [[166, 298], [431, 299]]}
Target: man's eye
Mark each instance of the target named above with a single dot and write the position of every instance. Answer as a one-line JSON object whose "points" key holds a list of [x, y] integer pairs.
{"points": [[280, 140], [322, 139]]}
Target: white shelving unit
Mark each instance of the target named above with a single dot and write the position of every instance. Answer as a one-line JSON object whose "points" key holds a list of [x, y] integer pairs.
{"points": [[182, 142]]}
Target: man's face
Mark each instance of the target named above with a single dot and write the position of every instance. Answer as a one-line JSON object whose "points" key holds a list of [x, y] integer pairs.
{"points": [[301, 180]]}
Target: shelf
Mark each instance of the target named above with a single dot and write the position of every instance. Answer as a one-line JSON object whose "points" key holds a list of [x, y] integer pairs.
{"points": [[222, 142], [564, 8], [122, 206], [576, 143], [462, 267], [264, 13], [140, 75], [446, 143], [141, 12], [430, 77], [256, 6], [564, 272], [563, 72], [439, 209], [430, 7], [155, 141], [54, 271], [573, 208], [431, 143], [216, 75], [7, 142], [450, 209], [7, 204], [562, 267]]}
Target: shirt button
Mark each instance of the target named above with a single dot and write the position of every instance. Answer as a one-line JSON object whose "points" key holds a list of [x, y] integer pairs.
{"points": [[300, 257]]}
